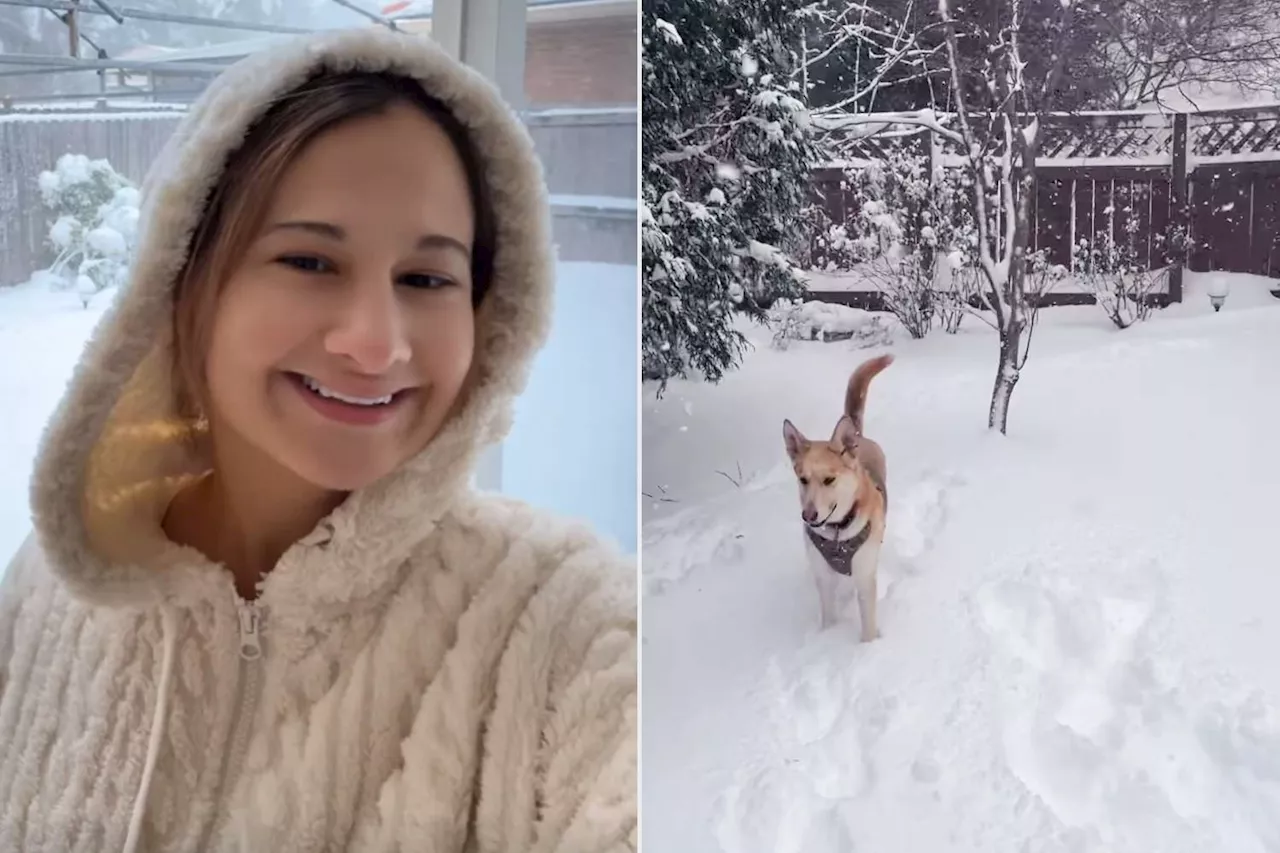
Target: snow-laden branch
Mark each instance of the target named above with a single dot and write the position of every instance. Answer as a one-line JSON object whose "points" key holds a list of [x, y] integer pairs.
{"points": [[838, 34], [702, 150], [869, 124], [889, 44]]}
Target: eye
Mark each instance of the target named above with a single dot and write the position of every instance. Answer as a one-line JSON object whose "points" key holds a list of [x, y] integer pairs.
{"points": [[306, 263], [424, 281], [804, 481], [828, 481]]}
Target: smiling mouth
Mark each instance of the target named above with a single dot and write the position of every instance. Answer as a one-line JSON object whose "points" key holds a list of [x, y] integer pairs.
{"points": [[314, 386], [348, 408]]}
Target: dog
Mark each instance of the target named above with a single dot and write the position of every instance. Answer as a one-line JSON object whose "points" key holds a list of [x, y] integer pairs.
{"points": [[843, 502]]}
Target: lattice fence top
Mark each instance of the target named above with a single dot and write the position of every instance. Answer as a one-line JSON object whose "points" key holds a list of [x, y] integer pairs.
{"points": [[1233, 132], [1139, 136], [1114, 138], [864, 139]]}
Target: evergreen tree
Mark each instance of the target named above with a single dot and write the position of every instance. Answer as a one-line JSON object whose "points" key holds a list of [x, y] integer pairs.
{"points": [[727, 156]]}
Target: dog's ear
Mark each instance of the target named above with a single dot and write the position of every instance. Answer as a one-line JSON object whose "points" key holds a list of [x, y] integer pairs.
{"points": [[846, 435], [794, 440]]}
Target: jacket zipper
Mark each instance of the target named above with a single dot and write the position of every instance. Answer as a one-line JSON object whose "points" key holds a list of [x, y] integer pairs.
{"points": [[248, 694]]}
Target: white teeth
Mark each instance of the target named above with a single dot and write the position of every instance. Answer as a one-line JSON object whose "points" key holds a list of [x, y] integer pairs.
{"points": [[355, 401]]}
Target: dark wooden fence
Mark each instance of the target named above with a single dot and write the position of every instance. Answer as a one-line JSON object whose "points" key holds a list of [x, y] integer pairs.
{"points": [[1219, 170]]}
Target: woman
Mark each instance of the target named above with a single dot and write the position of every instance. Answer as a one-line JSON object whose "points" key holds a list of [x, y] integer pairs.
{"points": [[262, 608]]}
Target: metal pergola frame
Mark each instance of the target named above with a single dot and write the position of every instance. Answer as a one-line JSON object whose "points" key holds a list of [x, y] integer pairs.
{"points": [[121, 15], [68, 12]]}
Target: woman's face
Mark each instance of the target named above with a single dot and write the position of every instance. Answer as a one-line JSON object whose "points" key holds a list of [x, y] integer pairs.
{"points": [[345, 334]]}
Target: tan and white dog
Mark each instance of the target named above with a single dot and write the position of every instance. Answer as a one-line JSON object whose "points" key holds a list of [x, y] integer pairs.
{"points": [[843, 502]]}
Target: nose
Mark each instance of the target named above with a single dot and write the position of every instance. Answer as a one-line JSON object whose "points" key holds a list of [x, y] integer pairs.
{"points": [[809, 514], [371, 331]]}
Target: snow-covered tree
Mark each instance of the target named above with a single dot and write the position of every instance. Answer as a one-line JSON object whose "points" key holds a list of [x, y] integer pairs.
{"points": [[998, 134], [1148, 49], [870, 55], [95, 213], [1121, 53], [726, 175]]}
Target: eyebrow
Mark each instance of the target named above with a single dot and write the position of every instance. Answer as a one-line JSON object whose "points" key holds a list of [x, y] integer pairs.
{"points": [[335, 232]]}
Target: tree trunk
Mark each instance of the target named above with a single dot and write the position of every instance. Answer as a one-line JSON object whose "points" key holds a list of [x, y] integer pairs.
{"points": [[1014, 330], [1007, 373]]}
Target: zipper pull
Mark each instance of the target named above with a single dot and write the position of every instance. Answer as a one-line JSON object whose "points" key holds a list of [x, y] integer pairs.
{"points": [[250, 638]]}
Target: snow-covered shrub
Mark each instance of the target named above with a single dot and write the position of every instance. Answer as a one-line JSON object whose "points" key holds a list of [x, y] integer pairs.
{"points": [[1042, 275], [785, 321], [95, 224], [832, 248], [1112, 271], [727, 156], [957, 291], [827, 322], [912, 235]]}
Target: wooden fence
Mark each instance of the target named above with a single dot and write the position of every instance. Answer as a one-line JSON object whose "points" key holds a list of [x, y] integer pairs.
{"points": [[1216, 171], [589, 157]]}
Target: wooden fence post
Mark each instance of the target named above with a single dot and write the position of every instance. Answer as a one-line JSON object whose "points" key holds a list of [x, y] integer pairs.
{"points": [[1178, 197]]}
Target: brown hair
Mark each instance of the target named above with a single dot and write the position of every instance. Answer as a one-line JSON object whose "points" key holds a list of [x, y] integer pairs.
{"points": [[234, 209]]}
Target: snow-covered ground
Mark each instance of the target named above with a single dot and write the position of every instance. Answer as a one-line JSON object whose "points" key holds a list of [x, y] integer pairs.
{"points": [[572, 450], [41, 334], [1079, 639]]}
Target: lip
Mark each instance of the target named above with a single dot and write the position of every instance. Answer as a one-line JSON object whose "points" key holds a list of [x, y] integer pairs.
{"points": [[349, 413]]}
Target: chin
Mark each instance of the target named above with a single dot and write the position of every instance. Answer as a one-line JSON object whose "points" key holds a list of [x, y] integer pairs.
{"points": [[338, 475]]}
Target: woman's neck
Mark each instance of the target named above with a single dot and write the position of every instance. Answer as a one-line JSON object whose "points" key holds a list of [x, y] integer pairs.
{"points": [[246, 514]]}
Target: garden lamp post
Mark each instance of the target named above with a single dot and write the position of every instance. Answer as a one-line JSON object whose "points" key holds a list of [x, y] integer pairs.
{"points": [[1219, 288]]}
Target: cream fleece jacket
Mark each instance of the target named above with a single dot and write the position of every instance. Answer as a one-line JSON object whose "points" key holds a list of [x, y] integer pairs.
{"points": [[429, 670]]}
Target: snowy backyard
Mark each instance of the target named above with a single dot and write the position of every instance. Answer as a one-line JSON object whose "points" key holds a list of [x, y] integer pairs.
{"points": [[1078, 642]]}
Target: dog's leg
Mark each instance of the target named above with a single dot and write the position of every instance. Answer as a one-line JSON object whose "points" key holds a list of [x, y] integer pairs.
{"points": [[864, 577], [827, 583]]}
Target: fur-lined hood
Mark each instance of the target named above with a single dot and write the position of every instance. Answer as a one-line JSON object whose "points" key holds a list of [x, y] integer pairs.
{"points": [[115, 451]]}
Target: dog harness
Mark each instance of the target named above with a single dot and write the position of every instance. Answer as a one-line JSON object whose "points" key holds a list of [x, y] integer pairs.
{"points": [[839, 552]]}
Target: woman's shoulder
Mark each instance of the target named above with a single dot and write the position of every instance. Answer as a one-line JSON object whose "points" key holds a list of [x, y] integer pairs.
{"points": [[548, 554], [34, 605], [26, 575], [549, 538]]}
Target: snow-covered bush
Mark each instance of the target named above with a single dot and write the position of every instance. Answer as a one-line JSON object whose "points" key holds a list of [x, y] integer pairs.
{"points": [[832, 249], [95, 224], [1112, 271], [912, 236], [958, 290], [1043, 275]]}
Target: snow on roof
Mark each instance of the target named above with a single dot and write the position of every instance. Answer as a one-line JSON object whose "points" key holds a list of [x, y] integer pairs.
{"points": [[406, 8], [146, 51], [402, 9], [226, 51]]}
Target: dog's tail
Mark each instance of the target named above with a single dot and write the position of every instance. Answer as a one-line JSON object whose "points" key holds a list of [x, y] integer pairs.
{"points": [[855, 398]]}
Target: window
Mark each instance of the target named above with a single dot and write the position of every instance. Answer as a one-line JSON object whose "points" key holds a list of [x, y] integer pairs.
{"points": [[570, 67]]}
